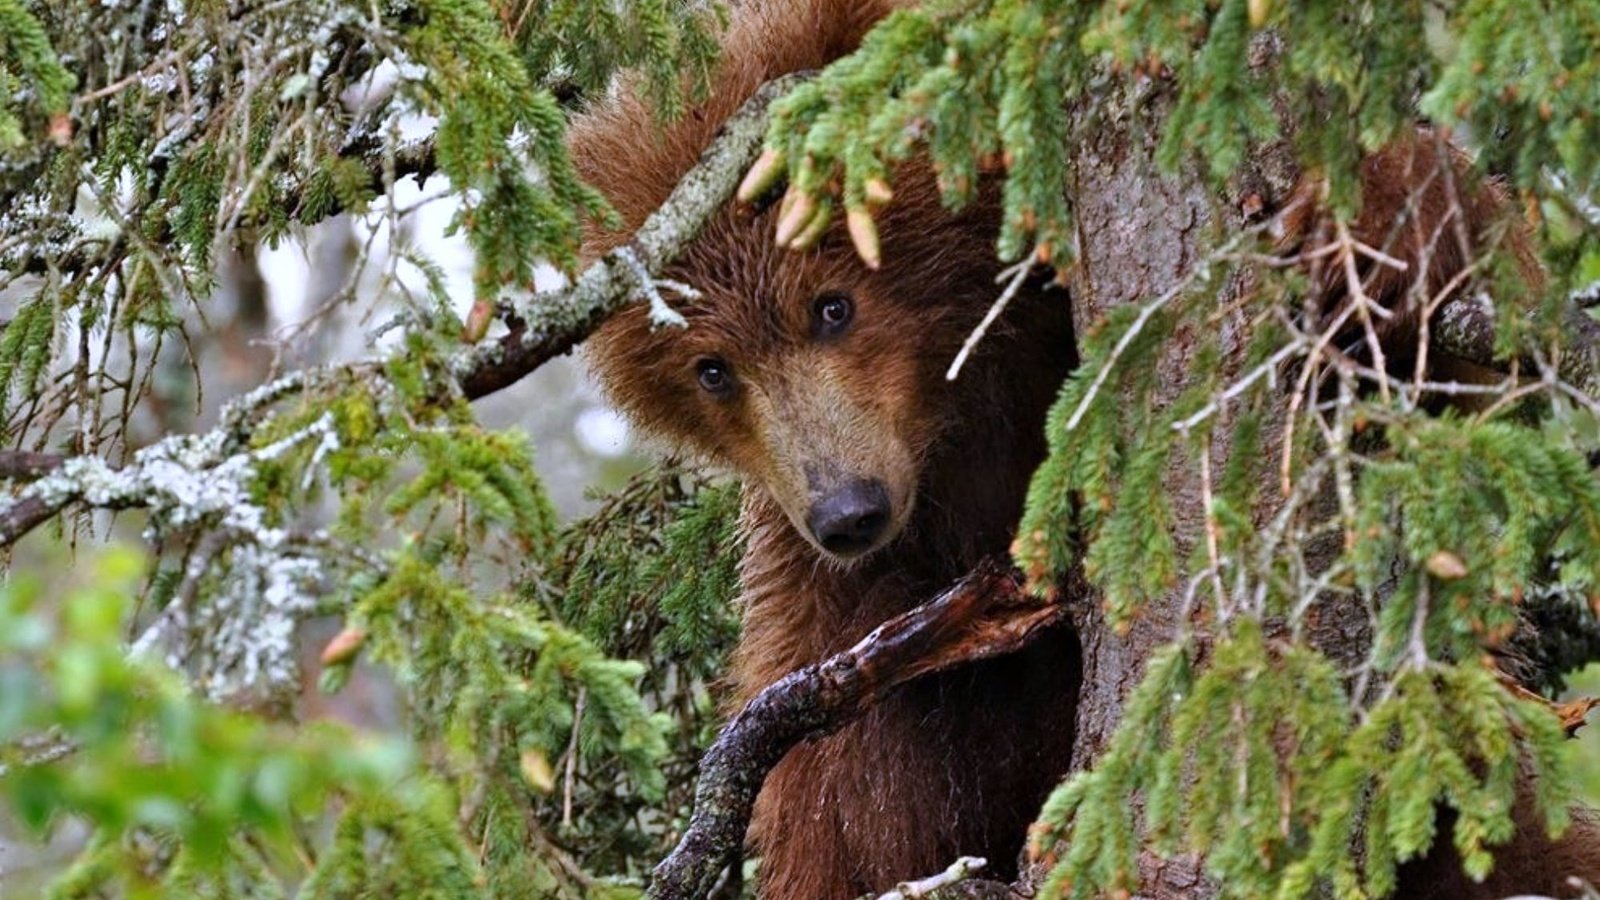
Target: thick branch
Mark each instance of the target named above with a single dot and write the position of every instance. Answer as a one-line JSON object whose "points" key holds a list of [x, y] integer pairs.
{"points": [[21, 465], [552, 323], [549, 324], [26, 514], [1465, 328], [981, 616]]}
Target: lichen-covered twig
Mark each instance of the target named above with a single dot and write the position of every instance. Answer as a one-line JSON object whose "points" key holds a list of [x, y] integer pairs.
{"points": [[983, 615], [1465, 328], [553, 322], [547, 325]]}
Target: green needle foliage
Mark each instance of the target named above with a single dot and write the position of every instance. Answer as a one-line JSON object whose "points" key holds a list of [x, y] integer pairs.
{"points": [[558, 681], [650, 576], [986, 84], [203, 126], [27, 61], [1286, 773], [185, 798], [540, 756]]}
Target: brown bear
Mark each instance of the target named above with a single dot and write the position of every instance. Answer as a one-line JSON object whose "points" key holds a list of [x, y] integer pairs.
{"points": [[872, 482]]}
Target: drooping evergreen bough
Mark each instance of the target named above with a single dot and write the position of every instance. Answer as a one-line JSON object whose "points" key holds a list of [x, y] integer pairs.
{"points": [[1366, 507], [1249, 455]]}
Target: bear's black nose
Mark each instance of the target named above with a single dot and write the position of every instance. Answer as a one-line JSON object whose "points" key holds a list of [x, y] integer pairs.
{"points": [[850, 519]]}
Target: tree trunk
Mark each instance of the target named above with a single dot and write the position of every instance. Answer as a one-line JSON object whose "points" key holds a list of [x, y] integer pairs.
{"points": [[1140, 232]]}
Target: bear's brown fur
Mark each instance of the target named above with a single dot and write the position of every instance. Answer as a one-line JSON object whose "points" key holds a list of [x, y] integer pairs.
{"points": [[956, 763]]}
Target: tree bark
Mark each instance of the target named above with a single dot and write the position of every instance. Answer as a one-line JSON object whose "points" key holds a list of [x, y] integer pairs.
{"points": [[1141, 232]]}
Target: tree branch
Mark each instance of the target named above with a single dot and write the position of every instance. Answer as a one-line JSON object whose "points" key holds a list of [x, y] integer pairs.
{"points": [[553, 322], [981, 616], [1465, 328], [21, 517], [411, 159], [26, 514], [547, 325], [21, 465], [959, 872]]}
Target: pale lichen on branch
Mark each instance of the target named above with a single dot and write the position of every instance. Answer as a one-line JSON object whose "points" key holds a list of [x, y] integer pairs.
{"points": [[547, 325]]}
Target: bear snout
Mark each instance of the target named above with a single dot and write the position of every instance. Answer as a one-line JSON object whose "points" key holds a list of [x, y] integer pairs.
{"points": [[850, 520]]}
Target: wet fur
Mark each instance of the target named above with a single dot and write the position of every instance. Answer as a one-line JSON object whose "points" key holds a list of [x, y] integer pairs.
{"points": [[954, 764]]}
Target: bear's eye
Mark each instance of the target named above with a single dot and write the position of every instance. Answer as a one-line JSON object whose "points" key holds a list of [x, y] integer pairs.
{"points": [[831, 313], [715, 376]]}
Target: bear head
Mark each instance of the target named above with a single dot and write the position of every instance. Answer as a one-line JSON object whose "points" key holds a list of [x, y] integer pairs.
{"points": [[811, 376]]}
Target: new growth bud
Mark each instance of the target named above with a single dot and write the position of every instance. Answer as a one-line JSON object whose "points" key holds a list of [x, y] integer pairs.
{"points": [[796, 213], [766, 171], [864, 235], [344, 646]]}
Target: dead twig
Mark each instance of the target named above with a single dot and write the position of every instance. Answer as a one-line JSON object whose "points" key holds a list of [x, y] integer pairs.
{"points": [[958, 872]]}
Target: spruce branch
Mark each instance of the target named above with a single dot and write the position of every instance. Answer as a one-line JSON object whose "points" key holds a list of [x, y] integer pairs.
{"points": [[551, 323], [414, 159], [545, 326], [983, 615]]}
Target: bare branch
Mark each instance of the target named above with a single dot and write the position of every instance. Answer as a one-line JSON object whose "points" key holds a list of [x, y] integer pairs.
{"points": [[959, 871], [983, 615]]}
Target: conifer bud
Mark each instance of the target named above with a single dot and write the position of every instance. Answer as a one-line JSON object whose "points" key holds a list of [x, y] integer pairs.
{"points": [[537, 771], [1259, 10], [815, 228], [344, 646], [786, 202], [61, 129], [864, 234], [766, 171], [876, 192], [797, 212], [1446, 566], [478, 321]]}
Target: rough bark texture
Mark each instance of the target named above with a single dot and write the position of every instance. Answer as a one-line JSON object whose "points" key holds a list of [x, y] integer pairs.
{"points": [[1140, 232]]}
